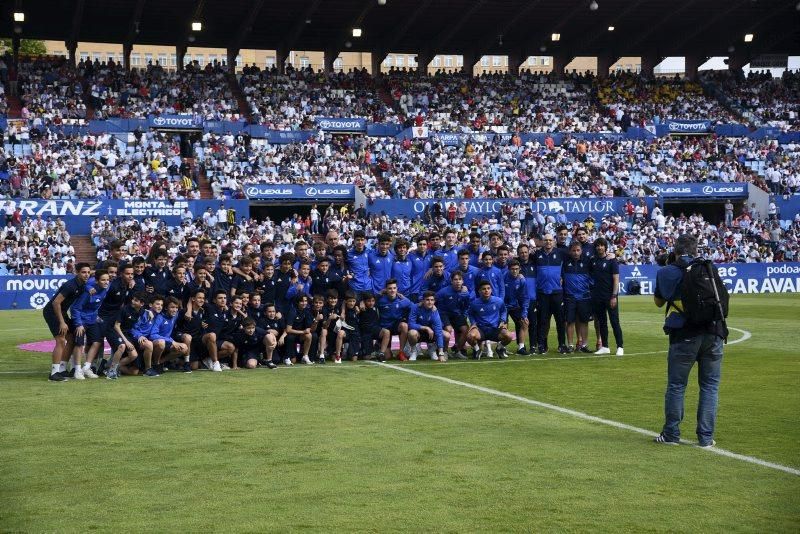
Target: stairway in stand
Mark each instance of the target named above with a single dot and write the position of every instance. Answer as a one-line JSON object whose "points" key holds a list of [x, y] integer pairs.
{"points": [[14, 106], [244, 108], [202, 182], [84, 249]]}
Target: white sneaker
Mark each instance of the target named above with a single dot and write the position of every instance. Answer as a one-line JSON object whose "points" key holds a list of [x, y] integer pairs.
{"points": [[460, 355], [208, 363], [307, 360], [225, 366], [603, 350], [88, 373], [337, 359], [412, 354], [216, 367], [79, 374], [432, 354], [287, 362], [620, 351], [488, 351]]}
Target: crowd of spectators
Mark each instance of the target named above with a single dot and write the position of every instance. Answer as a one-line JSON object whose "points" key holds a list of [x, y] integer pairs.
{"points": [[51, 91], [98, 166], [648, 101], [292, 101], [33, 245], [199, 90], [150, 166], [771, 101], [454, 102]]}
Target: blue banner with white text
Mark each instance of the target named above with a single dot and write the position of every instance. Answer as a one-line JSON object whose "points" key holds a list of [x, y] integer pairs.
{"points": [[176, 122], [343, 125], [312, 192], [706, 191], [679, 126], [79, 214], [737, 277], [574, 209]]}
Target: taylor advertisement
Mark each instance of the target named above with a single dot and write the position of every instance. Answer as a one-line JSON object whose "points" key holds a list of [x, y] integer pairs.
{"points": [[79, 214], [573, 208], [33, 292]]}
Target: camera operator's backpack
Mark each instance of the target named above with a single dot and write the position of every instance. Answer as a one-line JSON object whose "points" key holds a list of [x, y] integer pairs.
{"points": [[704, 298]]}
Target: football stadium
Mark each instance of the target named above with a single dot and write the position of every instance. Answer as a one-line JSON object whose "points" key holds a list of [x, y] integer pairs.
{"points": [[400, 265]]}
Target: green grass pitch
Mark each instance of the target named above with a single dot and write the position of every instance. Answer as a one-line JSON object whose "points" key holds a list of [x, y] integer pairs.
{"points": [[364, 447]]}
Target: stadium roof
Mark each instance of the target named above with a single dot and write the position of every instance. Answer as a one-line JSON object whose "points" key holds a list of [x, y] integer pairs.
{"points": [[641, 27]]}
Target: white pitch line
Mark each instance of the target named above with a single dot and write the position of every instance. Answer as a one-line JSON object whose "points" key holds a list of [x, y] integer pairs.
{"points": [[585, 416], [745, 336]]}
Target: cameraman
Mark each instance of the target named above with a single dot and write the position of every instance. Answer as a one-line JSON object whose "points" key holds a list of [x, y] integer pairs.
{"points": [[688, 344]]}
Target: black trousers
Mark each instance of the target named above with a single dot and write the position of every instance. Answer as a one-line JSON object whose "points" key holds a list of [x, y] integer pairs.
{"points": [[603, 313], [551, 305]]}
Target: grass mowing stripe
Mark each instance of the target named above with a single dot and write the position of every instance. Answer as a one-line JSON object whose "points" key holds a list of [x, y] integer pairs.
{"points": [[587, 417]]}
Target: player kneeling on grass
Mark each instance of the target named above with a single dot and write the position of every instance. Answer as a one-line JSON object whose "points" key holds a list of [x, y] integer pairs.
{"points": [[251, 344], [488, 315], [142, 330], [452, 302], [275, 328], [393, 310], [348, 331], [87, 330], [124, 340], [216, 319], [165, 348], [425, 325]]}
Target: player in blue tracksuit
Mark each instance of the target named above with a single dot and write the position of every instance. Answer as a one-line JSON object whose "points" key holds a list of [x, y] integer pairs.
{"points": [[302, 284], [358, 265], [492, 274], [142, 331], [401, 268], [84, 316], [468, 272], [549, 261], [474, 249], [528, 270], [488, 316], [516, 298], [577, 275], [438, 278], [393, 310], [425, 325], [503, 257], [587, 249], [449, 251], [380, 263], [420, 265], [452, 303], [165, 348]]}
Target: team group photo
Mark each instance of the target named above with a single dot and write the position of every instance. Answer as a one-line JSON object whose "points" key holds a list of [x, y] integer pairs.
{"points": [[395, 265]]}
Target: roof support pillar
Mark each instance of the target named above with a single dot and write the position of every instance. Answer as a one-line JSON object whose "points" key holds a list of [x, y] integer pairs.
{"points": [[515, 60], [72, 51], [691, 66], [423, 60], [232, 53], [281, 55], [328, 59], [180, 56], [560, 63], [604, 65], [470, 58], [376, 61], [736, 63], [126, 56], [648, 65]]}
